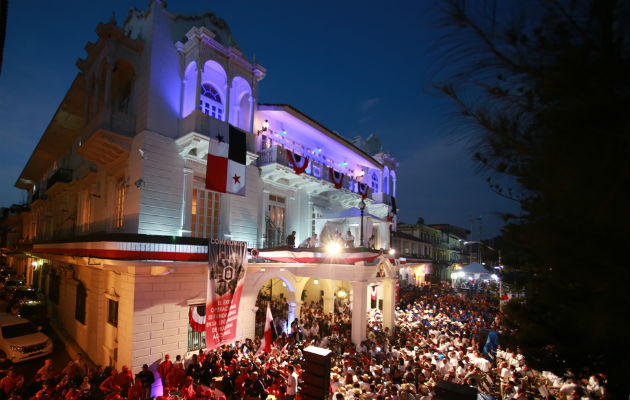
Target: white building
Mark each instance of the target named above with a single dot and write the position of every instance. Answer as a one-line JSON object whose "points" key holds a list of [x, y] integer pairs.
{"points": [[120, 218]]}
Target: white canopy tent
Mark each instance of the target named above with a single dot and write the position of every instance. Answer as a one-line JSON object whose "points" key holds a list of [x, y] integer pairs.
{"points": [[474, 270]]}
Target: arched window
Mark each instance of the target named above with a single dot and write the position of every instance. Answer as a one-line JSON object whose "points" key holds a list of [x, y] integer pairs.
{"points": [[392, 191], [54, 283], [79, 310], [375, 181], [210, 101], [386, 180]]}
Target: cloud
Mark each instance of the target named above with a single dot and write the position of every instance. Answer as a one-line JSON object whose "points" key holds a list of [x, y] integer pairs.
{"points": [[368, 104]]}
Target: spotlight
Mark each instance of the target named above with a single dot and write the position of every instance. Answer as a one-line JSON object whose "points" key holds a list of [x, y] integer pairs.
{"points": [[333, 248], [392, 252]]}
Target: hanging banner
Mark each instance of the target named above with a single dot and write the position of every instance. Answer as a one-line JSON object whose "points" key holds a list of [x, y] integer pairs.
{"points": [[297, 162], [227, 263], [363, 190], [336, 178]]}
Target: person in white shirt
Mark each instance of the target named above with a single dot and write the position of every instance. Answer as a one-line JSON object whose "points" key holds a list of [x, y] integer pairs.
{"points": [[349, 240], [292, 383], [335, 383]]}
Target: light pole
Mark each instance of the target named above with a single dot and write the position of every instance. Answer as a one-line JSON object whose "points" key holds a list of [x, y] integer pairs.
{"points": [[499, 269], [362, 208]]}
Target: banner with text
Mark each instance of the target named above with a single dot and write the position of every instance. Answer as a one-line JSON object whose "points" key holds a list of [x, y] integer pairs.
{"points": [[227, 263]]}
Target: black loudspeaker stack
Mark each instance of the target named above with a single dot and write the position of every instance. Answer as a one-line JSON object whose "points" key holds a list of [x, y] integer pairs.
{"points": [[452, 391], [316, 376]]}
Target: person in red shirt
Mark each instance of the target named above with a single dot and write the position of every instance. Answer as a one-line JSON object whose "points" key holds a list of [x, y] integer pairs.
{"points": [[136, 392], [73, 394], [10, 382], [45, 392], [109, 384], [164, 368], [188, 391], [124, 379], [239, 383], [46, 372], [176, 376], [114, 396]]}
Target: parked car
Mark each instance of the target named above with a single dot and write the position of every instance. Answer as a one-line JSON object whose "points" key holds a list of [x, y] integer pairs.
{"points": [[11, 285], [21, 340], [24, 295], [5, 274], [36, 313]]}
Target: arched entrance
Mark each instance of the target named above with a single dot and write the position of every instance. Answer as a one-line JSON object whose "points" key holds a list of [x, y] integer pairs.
{"points": [[276, 293]]}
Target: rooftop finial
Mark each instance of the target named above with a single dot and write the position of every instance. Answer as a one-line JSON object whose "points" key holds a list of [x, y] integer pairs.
{"points": [[112, 21]]}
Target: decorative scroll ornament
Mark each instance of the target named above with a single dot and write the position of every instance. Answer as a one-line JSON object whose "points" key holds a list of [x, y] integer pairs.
{"points": [[298, 162], [336, 178]]}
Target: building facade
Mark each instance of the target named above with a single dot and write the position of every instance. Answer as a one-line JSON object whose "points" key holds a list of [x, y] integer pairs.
{"points": [[119, 220]]}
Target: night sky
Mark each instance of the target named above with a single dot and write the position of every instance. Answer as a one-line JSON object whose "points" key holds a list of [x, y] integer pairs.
{"points": [[357, 67]]}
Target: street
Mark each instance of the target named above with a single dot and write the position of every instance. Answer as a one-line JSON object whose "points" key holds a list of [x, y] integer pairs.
{"points": [[59, 355]]}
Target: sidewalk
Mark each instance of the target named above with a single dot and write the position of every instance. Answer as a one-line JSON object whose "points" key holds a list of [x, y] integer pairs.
{"points": [[72, 348]]}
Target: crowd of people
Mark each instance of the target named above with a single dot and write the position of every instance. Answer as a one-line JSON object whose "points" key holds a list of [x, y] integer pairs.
{"points": [[439, 336]]}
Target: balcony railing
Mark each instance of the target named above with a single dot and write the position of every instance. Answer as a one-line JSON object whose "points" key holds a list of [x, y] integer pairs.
{"points": [[62, 175], [36, 195], [204, 124], [278, 155]]}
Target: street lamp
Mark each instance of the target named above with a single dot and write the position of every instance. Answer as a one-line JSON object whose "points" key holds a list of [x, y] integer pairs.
{"points": [[499, 269], [264, 127], [362, 208]]}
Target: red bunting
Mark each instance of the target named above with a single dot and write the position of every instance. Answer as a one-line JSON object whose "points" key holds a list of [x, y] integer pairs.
{"points": [[298, 162], [336, 178], [363, 190]]}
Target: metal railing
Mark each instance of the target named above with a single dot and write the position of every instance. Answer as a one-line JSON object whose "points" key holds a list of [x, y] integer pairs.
{"points": [[63, 175], [274, 235], [278, 155]]}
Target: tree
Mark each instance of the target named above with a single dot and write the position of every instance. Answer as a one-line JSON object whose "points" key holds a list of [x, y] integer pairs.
{"points": [[543, 91]]}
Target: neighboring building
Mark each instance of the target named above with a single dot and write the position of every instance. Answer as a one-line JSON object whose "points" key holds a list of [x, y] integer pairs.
{"points": [[443, 244], [119, 220]]}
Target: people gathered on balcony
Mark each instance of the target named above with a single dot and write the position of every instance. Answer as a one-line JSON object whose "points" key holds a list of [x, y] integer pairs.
{"points": [[371, 242], [349, 240], [291, 239]]}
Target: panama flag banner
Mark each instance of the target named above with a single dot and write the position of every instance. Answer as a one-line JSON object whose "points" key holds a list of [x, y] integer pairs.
{"points": [[227, 263], [225, 172], [336, 178], [265, 345], [298, 162]]}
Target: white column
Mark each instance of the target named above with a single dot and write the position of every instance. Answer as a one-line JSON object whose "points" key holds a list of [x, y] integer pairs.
{"points": [[186, 202], [294, 311], [359, 312], [389, 304], [107, 101], [329, 304], [198, 88]]}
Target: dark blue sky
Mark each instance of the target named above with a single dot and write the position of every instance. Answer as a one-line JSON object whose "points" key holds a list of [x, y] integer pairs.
{"points": [[357, 67]]}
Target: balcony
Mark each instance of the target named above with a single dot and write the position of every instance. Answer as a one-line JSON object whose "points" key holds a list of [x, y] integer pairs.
{"points": [[105, 147], [316, 176], [61, 175], [113, 121], [383, 198], [204, 124]]}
